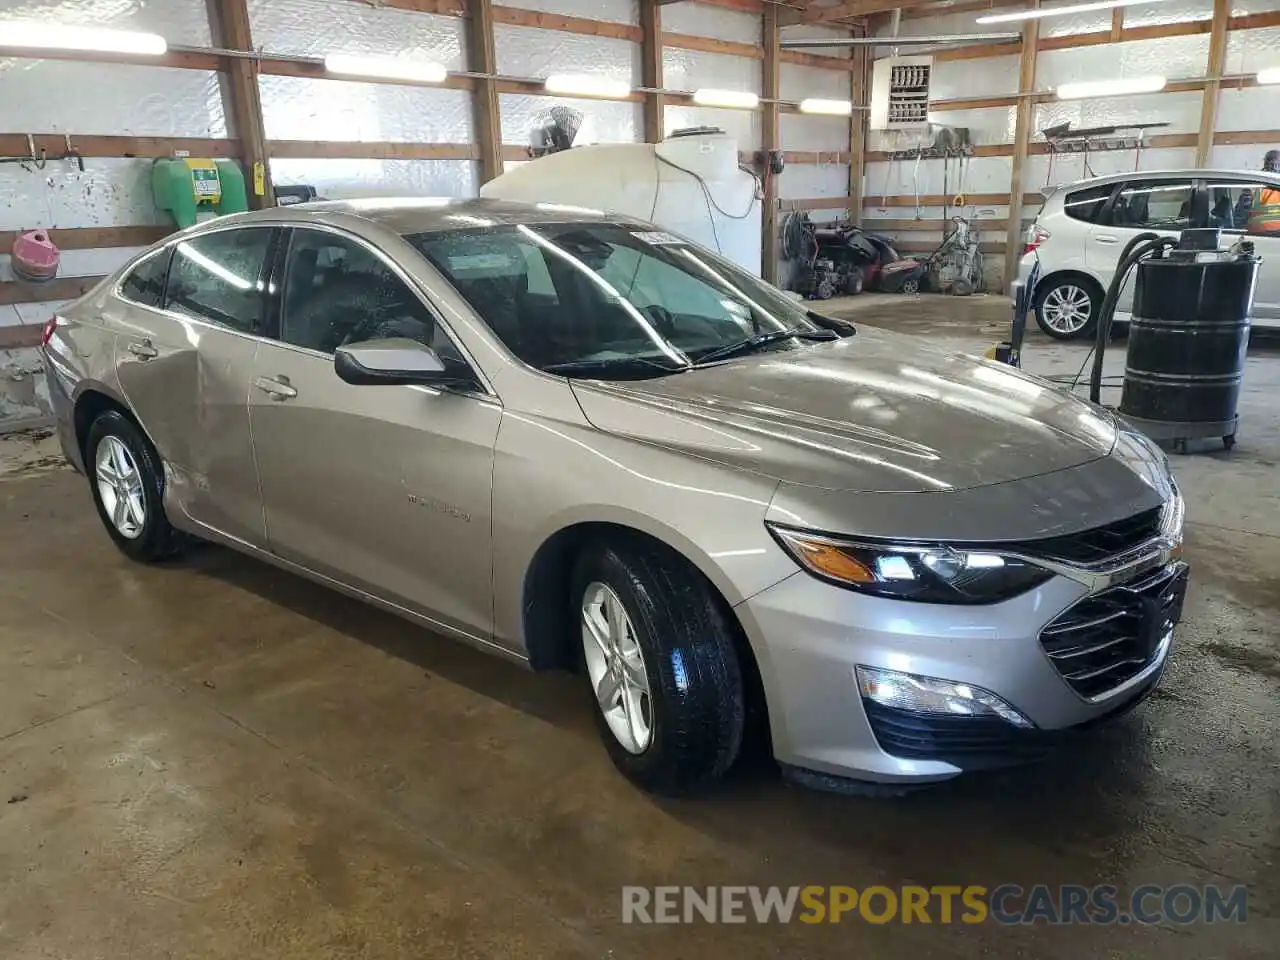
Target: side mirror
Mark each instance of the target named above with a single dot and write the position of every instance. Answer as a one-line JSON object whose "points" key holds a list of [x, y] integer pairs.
{"points": [[391, 362]]}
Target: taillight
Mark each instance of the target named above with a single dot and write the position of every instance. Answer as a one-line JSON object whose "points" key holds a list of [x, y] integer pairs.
{"points": [[1036, 235], [46, 333]]}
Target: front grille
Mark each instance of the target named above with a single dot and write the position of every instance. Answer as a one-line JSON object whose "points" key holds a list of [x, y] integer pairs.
{"points": [[1100, 543], [1109, 638]]}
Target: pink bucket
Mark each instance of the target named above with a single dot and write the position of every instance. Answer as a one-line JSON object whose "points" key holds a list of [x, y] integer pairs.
{"points": [[35, 257]]}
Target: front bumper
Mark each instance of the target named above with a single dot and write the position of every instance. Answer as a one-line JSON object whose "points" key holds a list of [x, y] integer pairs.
{"points": [[809, 637]]}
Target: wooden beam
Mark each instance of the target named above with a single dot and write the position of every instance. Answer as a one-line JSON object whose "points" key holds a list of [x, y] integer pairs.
{"points": [[819, 203], [1213, 72], [938, 200], [90, 238], [770, 140], [59, 288], [651, 70], [242, 102], [1246, 136], [376, 150], [1021, 138], [858, 88], [53, 144], [482, 57]]}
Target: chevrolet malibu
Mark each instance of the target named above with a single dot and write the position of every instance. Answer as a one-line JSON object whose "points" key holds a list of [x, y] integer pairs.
{"points": [[580, 442]]}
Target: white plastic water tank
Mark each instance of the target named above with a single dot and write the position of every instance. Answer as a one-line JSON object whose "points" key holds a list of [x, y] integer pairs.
{"points": [[690, 185]]}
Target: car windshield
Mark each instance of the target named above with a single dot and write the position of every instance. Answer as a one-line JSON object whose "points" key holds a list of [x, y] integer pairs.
{"points": [[612, 300]]}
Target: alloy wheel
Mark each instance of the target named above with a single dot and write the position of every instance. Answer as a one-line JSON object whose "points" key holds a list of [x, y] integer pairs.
{"points": [[120, 488], [1066, 308], [615, 666]]}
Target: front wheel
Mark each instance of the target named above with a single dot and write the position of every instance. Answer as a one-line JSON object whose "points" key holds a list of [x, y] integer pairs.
{"points": [[127, 481], [660, 660], [1067, 308]]}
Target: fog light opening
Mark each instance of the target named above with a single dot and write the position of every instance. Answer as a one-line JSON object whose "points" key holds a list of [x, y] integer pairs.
{"points": [[906, 691]]}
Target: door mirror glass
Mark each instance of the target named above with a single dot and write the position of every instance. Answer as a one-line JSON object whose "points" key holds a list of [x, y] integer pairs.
{"points": [[390, 362]]}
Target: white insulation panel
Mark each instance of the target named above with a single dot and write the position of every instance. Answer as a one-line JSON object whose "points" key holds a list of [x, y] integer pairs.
{"points": [[963, 22], [299, 108], [1249, 51], [316, 27], [986, 125], [690, 69], [1171, 57], [743, 125], [804, 180], [1180, 110], [799, 131], [795, 82], [110, 193], [1240, 8], [614, 11], [1070, 167], [1238, 156], [702, 20], [604, 121], [1069, 24], [178, 21], [67, 96], [1170, 11], [532, 52], [900, 177], [815, 31], [1252, 108], [994, 77], [339, 179]]}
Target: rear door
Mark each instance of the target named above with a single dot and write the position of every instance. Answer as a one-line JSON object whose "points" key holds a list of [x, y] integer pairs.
{"points": [[184, 368], [1157, 205], [1230, 200]]}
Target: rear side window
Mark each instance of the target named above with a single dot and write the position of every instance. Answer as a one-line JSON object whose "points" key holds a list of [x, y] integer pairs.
{"points": [[1153, 205], [144, 284], [1087, 204], [218, 277]]}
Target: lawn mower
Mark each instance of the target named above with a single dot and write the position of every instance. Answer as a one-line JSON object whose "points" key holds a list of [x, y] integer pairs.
{"points": [[838, 259]]}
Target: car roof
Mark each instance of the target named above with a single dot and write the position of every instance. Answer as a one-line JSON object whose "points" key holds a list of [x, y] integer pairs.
{"points": [[1199, 174], [411, 215]]}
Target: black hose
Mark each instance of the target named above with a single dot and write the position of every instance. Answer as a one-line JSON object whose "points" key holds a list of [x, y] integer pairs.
{"points": [[1139, 248]]}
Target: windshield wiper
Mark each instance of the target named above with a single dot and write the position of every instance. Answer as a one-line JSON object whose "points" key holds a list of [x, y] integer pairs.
{"points": [[613, 365], [760, 340]]}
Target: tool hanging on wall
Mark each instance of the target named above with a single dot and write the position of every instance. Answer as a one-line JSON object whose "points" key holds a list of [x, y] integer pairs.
{"points": [[37, 160], [1062, 139]]}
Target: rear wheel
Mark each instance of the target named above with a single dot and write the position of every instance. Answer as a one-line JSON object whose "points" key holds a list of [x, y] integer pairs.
{"points": [[853, 281], [1067, 307], [127, 481], [661, 664]]}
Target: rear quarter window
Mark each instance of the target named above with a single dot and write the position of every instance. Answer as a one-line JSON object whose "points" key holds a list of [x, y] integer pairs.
{"points": [[144, 284], [1087, 204]]}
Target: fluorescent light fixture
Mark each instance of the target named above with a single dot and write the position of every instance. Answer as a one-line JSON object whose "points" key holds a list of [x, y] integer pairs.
{"points": [[384, 68], [1109, 88], [834, 108], [1042, 12], [737, 99], [1269, 75], [57, 36], [584, 85]]}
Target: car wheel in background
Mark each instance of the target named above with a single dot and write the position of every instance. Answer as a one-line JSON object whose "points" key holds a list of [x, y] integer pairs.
{"points": [[127, 483], [660, 661], [1067, 306]]}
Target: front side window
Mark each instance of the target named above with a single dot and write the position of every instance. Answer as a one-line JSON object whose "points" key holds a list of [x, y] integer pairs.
{"points": [[1241, 206], [218, 277], [144, 284], [593, 294], [1153, 205], [338, 292]]}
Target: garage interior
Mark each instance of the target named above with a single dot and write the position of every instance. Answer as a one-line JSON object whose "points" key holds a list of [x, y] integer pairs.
{"points": [[215, 758]]}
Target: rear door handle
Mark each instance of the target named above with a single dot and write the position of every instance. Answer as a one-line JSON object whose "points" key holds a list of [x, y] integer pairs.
{"points": [[142, 349], [1107, 239], [277, 388]]}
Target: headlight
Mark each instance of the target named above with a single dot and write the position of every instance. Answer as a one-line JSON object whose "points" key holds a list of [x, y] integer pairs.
{"points": [[1171, 516], [930, 573]]}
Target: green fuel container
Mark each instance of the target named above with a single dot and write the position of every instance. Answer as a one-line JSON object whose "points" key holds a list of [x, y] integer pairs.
{"points": [[191, 188]]}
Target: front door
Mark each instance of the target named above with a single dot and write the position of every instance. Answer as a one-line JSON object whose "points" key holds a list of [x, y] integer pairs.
{"points": [[184, 361], [1230, 201], [384, 488]]}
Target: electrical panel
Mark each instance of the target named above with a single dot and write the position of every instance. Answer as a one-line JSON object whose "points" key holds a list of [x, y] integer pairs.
{"points": [[900, 93]]}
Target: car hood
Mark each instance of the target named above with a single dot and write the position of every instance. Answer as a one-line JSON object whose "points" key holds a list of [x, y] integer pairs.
{"points": [[874, 412]]}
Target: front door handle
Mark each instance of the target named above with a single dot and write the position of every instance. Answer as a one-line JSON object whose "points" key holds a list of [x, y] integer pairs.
{"points": [[1106, 238], [277, 388], [142, 349]]}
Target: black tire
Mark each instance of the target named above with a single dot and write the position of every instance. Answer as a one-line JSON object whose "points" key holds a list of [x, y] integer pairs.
{"points": [[157, 539], [853, 281], [910, 287], [697, 721], [1057, 286]]}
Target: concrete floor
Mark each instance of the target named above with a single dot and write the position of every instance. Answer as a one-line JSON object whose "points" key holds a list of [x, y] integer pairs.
{"points": [[215, 759]]}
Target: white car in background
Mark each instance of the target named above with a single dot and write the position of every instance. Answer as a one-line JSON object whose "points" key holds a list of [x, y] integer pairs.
{"points": [[1082, 229]]}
